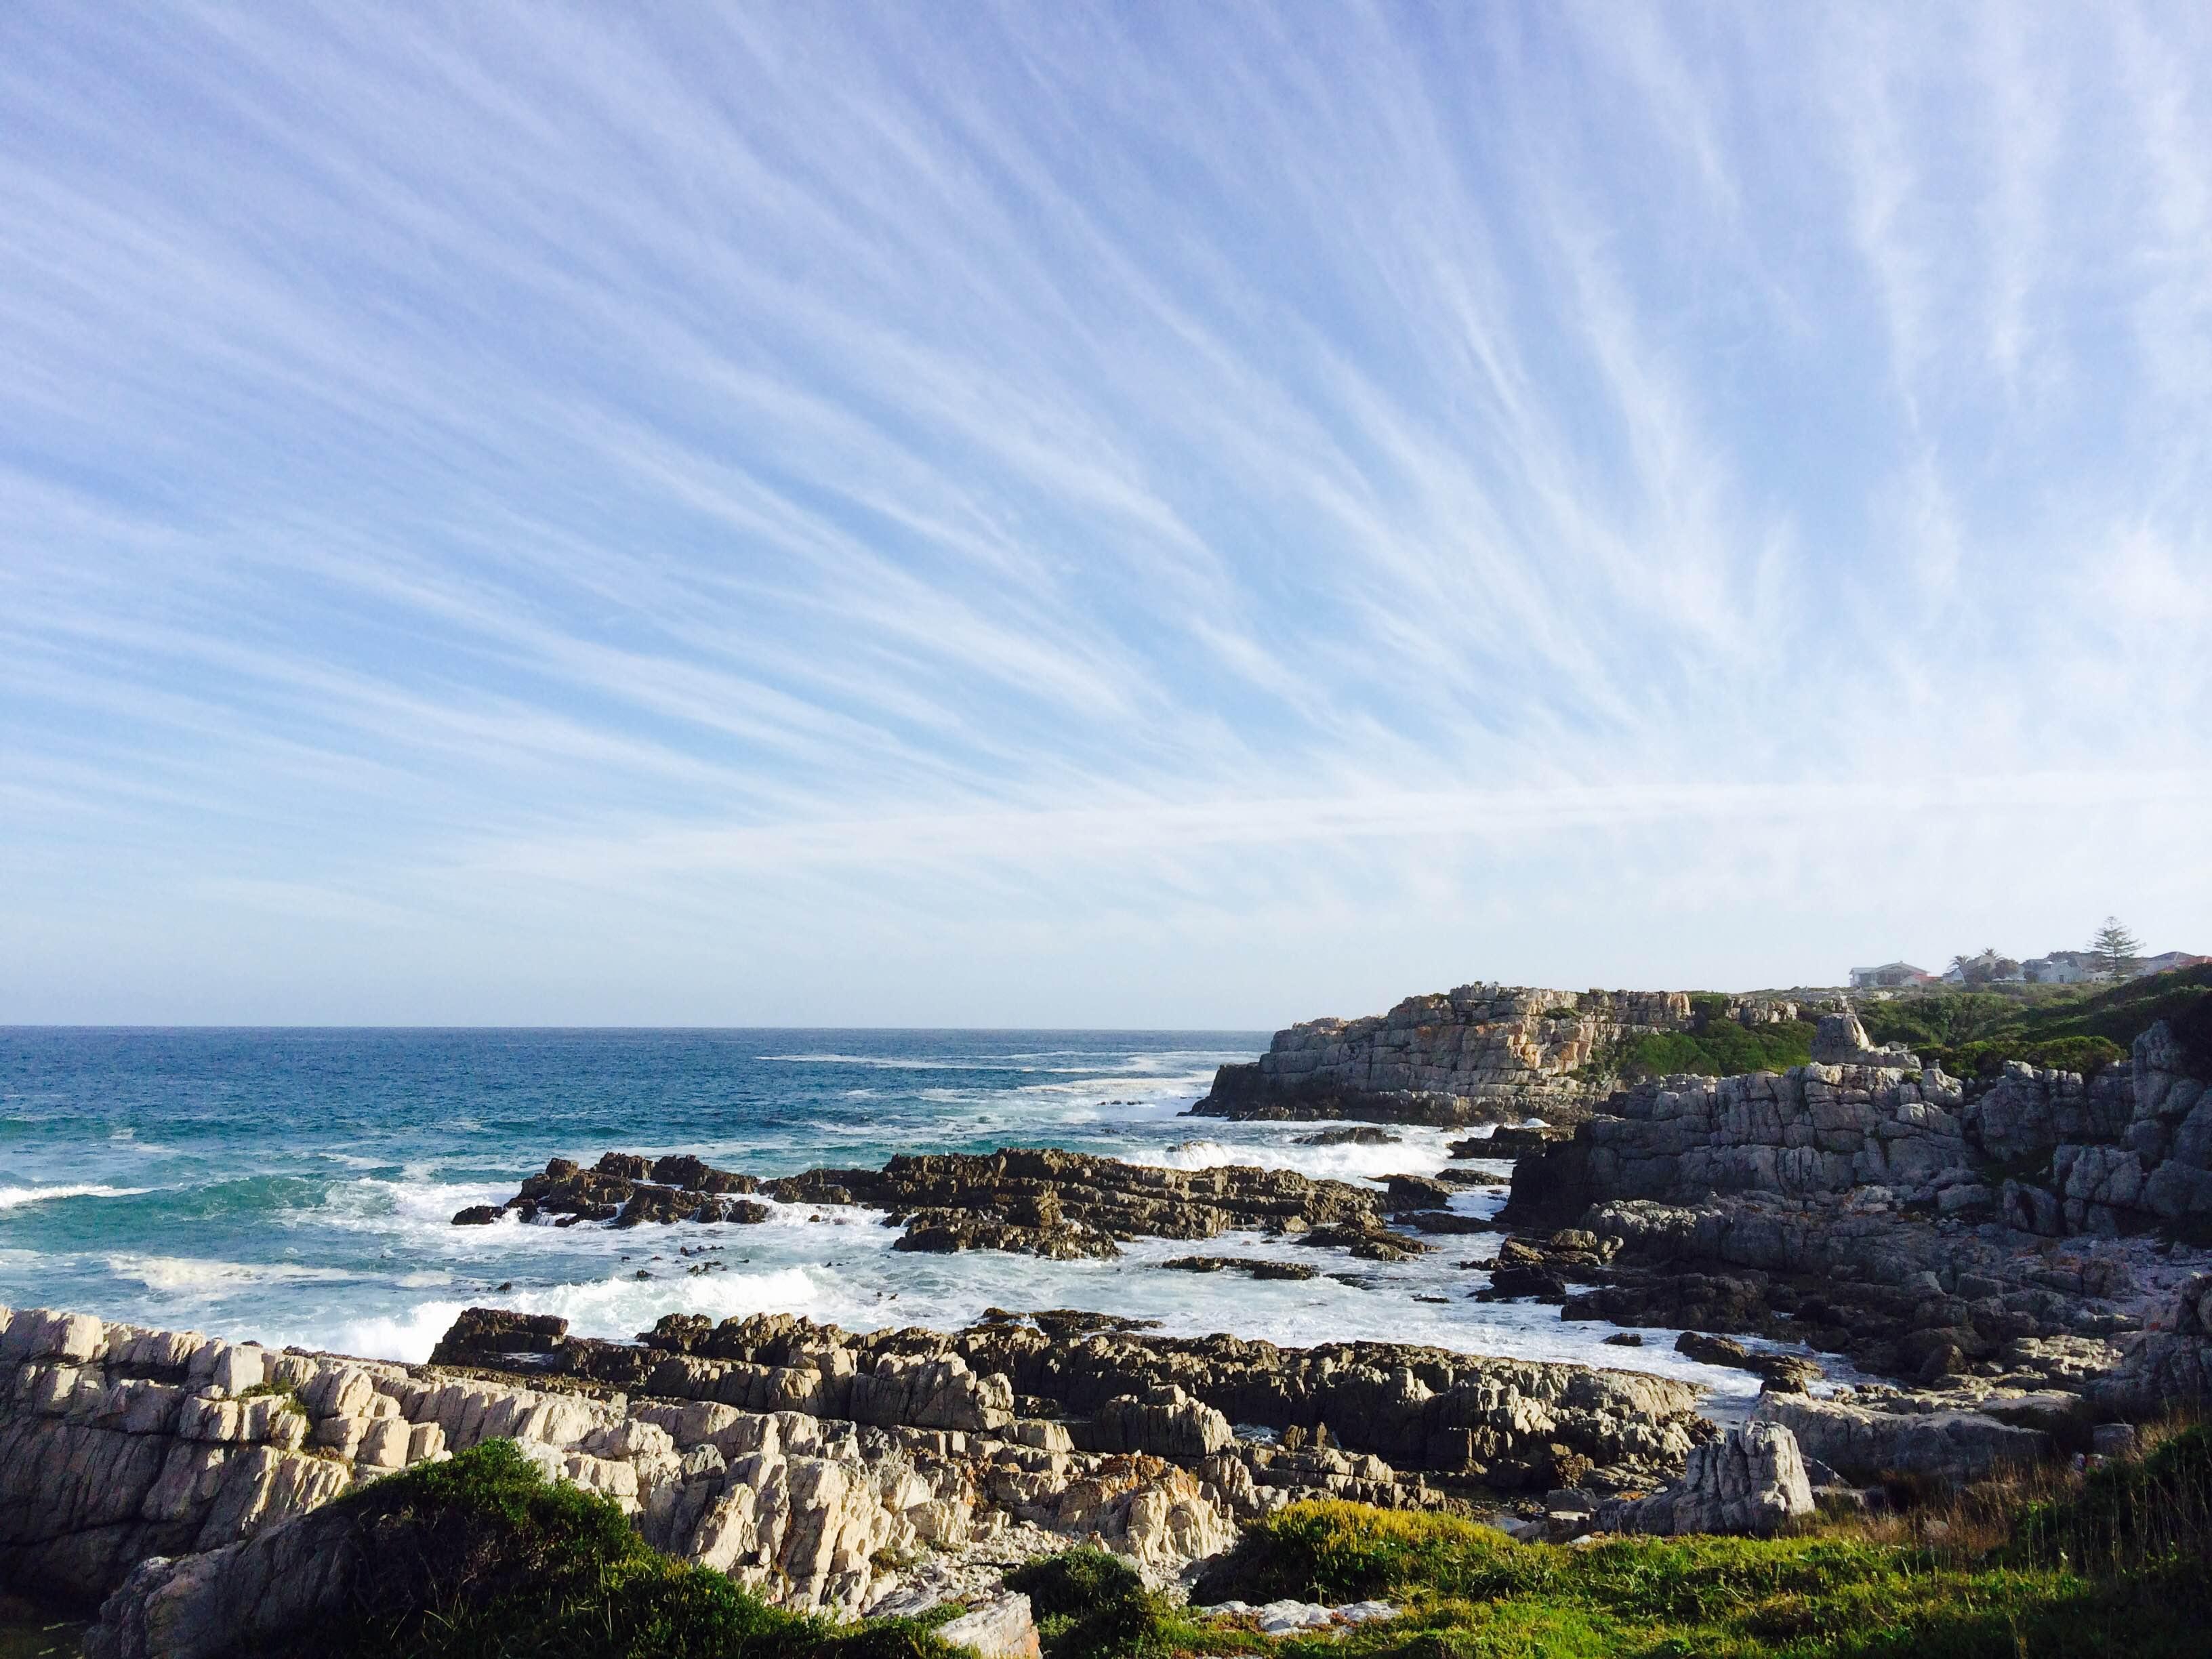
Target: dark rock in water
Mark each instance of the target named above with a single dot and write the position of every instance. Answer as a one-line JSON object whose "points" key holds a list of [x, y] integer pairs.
{"points": [[944, 1232], [1784, 1373], [1369, 1244], [1250, 1267], [1713, 1350], [1412, 1191], [1467, 1178], [1446, 1221], [484, 1336], [1508, 1141], [477, 1215], [1365, 1135], [1625, 1340], [1512, 1284], [1059, 1204]]}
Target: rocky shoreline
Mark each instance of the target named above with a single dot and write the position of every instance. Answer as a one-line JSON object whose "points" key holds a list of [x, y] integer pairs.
{"points": [[2021, 1258], [174, 1478]]}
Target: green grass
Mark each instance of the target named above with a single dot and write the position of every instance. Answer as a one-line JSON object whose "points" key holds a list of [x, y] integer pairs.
{"points": [[481, 1558], [1468, 1592], [2131, 1515], [1723, 1049], [1976, 1031], [493, 1561]]}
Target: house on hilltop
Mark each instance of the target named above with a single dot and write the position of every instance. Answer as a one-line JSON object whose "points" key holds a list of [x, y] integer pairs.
{"points": [[2167, 961], [1889, 976], [1987, 969], [2063, 968]]}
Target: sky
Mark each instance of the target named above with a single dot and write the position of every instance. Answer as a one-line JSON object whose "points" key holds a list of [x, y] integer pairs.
{"points": [[1114, 516]]}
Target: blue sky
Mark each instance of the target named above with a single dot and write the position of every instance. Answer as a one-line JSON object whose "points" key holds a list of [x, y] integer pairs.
{"points": [[1161, 515]]}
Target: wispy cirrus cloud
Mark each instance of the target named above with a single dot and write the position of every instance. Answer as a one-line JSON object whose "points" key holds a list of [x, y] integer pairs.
{"points": [[1088, 513]]}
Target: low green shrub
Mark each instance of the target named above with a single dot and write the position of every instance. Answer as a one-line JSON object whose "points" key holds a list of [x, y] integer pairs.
{"points": [[2086, 1055], [481, 1558], [1090, 1605], [1963, 1024], [1723, 1049]]}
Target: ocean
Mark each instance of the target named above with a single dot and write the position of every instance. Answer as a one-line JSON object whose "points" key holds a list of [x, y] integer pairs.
{"points": [[297, 1186]]}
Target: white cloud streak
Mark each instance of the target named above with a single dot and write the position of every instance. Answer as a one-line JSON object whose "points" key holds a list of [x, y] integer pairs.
{"points": [[520, 478]]}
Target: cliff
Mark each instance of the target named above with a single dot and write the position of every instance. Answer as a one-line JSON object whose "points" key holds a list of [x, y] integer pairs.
{"points": [[1482, 1054]]}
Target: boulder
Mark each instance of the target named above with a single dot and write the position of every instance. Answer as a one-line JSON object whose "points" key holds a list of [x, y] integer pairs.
{"points": [[1864, 1442], [1163, 1421], [1751, 1481], [1000, 1628]]}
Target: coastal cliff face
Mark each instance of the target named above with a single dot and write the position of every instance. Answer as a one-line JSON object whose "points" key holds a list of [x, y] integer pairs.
{"points": [[2127, 1151], [1817, 1129], [1481, 1054], [2034, 1234]]}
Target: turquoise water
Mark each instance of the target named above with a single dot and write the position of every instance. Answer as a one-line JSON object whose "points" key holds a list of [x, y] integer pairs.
{"points": [[298, 1186]]}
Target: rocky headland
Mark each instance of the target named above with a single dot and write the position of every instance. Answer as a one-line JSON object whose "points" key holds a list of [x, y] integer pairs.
{"points": [[1481, 1054], [2022, 1256]]}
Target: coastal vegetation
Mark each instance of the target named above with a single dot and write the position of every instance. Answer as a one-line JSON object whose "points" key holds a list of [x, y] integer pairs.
{"points": [[1721, 1048], [480, 1557], [1968, 1033], [2075, 1028], [499, 1565]]}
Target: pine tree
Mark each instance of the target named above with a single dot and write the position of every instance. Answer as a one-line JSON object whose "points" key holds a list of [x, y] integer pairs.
{"points": [[2117, 949]]}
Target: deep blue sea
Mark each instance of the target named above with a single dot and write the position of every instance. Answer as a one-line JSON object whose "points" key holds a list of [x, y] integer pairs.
{"points": [[297, 1186]]}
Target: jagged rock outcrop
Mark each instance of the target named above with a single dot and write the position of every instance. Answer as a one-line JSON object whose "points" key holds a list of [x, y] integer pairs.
{"points": [[119, 1445], [1479, 1053], [2169, 1366], [1039, 1202], [1901, 1297], [1505, 1422], [2130, 1149], [1750, 1480], [1864, 1442], [1813, 1130], [2030, 1111], [1840, 1039]]}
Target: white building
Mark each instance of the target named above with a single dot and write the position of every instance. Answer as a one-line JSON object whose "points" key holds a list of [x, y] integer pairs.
{"points": [[1889, 976], [2062, 967]]}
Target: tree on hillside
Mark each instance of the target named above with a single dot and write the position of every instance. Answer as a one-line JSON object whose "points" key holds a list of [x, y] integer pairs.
{"points": [[1986, 968], [2117, 949]]}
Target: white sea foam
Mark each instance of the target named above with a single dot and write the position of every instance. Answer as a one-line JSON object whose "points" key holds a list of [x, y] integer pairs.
{"points": [[13, 1197], [407, 1337], [192, 1273]]}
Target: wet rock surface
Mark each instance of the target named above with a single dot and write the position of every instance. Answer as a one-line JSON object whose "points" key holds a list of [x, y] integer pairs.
{"points": [[1251, 1268], [1059, 1204]]}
